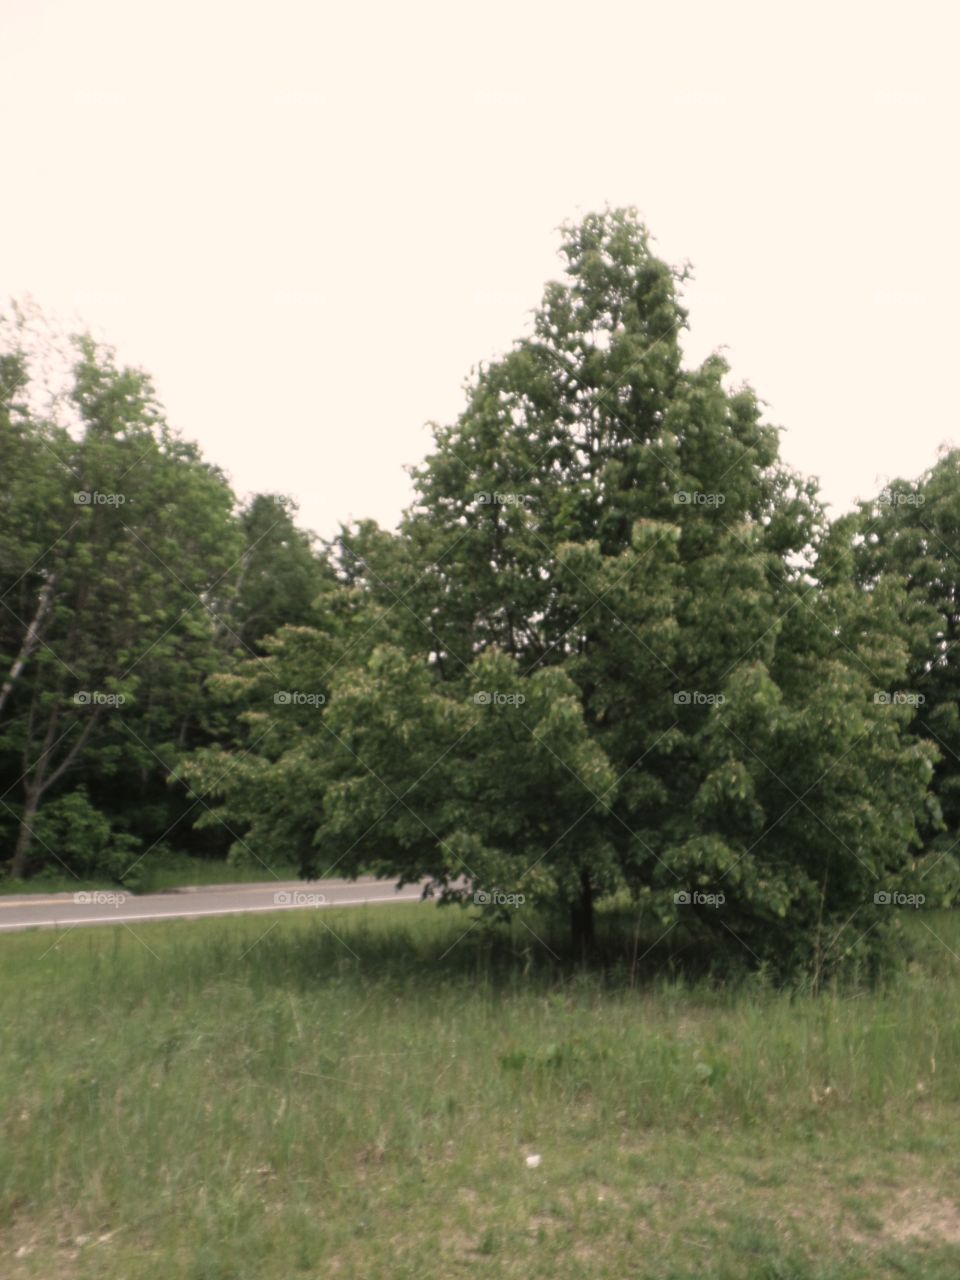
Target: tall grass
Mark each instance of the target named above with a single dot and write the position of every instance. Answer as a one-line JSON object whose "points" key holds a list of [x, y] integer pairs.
{"points": [[356, 1093]]}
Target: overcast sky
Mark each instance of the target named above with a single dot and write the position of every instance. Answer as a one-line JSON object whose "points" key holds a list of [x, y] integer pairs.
{"points": [[308, 221]]}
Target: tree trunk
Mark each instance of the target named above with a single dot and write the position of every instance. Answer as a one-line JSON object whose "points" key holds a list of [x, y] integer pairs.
{"points": [[36, 787], [581, 917], [24, 836], [30, 641]]}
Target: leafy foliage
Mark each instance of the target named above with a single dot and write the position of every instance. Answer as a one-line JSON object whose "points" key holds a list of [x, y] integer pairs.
{"points": [[679, 664]]}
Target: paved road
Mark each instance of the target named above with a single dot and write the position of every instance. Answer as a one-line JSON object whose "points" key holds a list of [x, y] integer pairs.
{"points": [[68, 910]]}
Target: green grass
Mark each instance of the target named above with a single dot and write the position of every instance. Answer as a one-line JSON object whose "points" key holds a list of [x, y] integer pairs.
{"points": [[50, 882], [354, 1094], [174, 873], [155, 876]]}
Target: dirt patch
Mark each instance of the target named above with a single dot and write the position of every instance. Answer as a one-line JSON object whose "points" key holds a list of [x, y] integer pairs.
{"points": [[923, 1214]]}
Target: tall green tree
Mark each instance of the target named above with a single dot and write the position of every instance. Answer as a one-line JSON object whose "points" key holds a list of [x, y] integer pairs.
{"points": [[611, 536]]}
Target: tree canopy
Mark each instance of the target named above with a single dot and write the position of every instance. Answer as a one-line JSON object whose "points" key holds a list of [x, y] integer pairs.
{"points": [[614, 652], [614, 647]]}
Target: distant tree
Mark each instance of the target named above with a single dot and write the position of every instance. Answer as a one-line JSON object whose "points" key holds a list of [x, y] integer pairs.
{"points": [[114, 536], [910, 534], [280, 574]]}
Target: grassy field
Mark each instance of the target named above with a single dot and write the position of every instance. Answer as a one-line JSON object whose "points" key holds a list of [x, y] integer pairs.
{"points": [[357, 1094]]}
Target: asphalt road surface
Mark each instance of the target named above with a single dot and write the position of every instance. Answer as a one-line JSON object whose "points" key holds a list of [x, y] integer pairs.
{"points": [[67, 910]]}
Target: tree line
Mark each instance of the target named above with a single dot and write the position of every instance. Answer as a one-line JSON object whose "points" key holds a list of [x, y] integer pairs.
{"points": [[614, 647]]}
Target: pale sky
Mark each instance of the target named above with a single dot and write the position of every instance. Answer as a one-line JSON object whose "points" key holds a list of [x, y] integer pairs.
{"points": [[308, 221]]}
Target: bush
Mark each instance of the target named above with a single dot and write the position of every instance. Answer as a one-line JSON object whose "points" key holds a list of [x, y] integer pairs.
{"points": [[81, 838]]}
